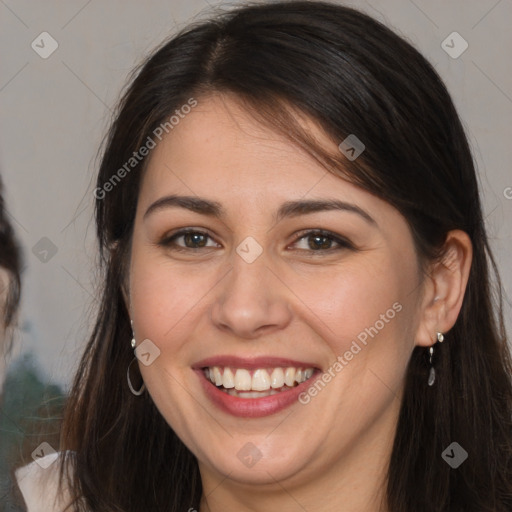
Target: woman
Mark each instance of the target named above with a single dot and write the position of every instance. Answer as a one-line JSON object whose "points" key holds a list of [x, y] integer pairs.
{"points": [[10, 269], [297, 310], [10, 287]]}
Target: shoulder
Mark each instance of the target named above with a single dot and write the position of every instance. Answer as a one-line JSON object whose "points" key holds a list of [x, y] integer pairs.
{"points": [[38, 483]]}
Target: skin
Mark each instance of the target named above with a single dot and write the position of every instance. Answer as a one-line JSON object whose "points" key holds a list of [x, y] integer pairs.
{"points": [[293, 301]]}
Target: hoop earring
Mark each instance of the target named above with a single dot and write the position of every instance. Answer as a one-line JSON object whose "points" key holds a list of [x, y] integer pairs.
{"points": [[432, 373], [132, 389]]}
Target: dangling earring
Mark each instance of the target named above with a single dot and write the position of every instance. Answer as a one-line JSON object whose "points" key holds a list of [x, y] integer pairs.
{"points": [[432, 373], [132, 389], [133, 336]]}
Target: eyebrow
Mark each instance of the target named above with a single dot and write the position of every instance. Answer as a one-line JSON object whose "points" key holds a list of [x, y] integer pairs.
{"points": [[287, 209]]}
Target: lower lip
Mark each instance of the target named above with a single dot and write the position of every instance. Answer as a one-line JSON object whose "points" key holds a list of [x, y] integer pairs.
{"points": [[252, 407]]}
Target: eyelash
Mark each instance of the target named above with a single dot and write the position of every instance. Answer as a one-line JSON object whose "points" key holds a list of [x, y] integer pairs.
{"points": [[169, 241]]}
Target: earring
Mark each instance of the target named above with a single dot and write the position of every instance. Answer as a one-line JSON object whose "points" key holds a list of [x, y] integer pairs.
{"points": [[133, 342], [132, 389], [432, 373]]}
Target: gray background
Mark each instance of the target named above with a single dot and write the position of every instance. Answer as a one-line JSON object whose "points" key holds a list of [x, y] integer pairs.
{"points": [[55, 112]]}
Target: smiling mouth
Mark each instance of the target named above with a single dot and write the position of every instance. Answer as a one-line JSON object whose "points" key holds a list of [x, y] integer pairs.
{"points": [[257, 383]]}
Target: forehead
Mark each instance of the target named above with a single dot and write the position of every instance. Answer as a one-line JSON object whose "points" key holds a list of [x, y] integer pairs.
{"points": [[219, 150], [218, 134]]}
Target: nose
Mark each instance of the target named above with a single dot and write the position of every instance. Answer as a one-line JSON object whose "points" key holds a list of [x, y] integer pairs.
{"points": [[251, 300]]}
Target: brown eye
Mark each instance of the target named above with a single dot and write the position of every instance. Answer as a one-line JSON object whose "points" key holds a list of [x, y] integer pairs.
{"points": [[319, 240], [191, 240]]}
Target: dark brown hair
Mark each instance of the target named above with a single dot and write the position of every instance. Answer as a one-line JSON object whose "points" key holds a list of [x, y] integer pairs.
{"points": [[10, 260], [351, 75]]}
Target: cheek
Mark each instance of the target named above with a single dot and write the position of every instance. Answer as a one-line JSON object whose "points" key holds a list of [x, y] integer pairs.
{"points": [[164, 303], [350, 298], [362, 311], [162, 295]]}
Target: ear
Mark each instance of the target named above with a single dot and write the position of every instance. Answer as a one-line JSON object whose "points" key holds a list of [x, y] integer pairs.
{"points": [[444, 288]]}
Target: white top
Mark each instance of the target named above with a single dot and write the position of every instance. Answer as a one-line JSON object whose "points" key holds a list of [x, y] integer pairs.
{"points": [[38, 483]]}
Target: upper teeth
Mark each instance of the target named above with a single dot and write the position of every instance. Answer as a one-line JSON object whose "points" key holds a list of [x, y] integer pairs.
{"points": [[261, 379]]}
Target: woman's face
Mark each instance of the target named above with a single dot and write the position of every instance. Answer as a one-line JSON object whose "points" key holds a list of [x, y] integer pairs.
{"points": [[248, 298]]}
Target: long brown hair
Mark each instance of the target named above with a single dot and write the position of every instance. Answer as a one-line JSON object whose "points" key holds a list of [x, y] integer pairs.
{"points": [[352, 75]]}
